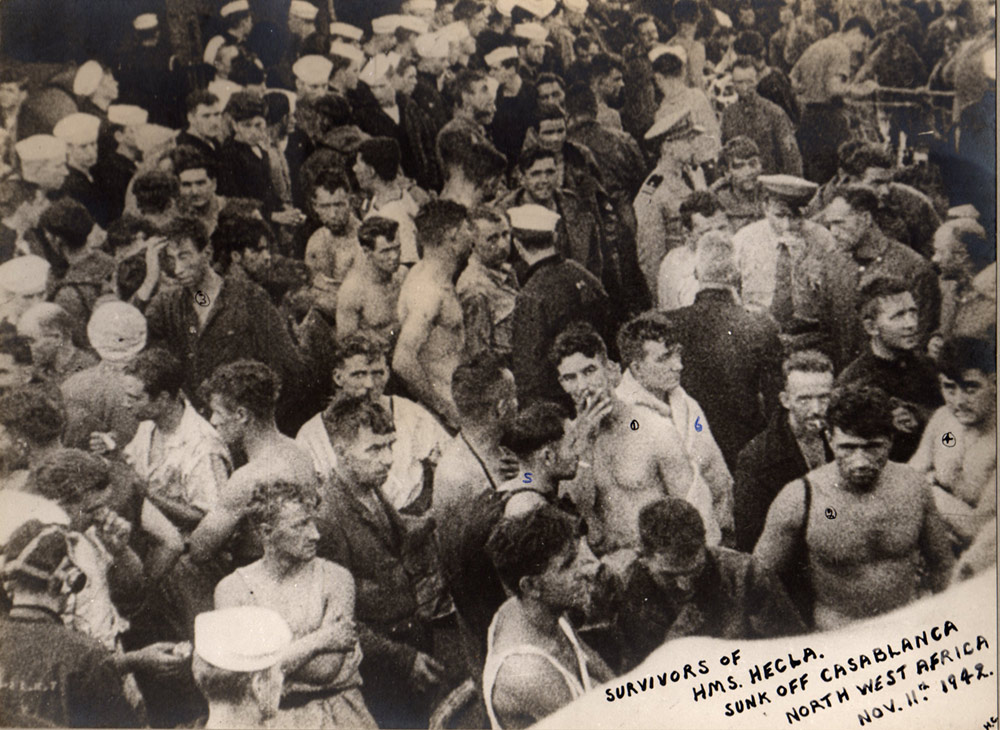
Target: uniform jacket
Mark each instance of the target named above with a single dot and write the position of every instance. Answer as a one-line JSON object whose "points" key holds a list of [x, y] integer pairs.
{"points": [[84, 190], [242, 174]]}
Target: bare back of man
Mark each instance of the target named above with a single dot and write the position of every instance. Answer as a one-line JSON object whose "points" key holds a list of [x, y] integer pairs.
{"points": [[369, 304], [865, 548], [431, 338], [278, 459], [632, 467]]}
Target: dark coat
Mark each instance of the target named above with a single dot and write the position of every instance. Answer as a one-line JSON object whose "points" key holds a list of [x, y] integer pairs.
{"points": [[734, 598], [386, 602], [209, 149], [732, 360], [85, 191], [556, 292], [112, 174], [242, 174], [243, 323], [770, 461]]}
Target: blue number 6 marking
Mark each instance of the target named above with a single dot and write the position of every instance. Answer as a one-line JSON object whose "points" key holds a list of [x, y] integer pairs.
{"points": [[697, 424]]}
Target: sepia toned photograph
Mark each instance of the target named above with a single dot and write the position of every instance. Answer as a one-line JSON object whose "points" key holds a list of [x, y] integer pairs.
{"points": [[498, 364]]}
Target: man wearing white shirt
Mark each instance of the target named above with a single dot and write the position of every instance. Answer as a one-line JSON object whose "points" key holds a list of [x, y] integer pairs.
{"points": [[175, 451], [676, 284], [360, 370]]}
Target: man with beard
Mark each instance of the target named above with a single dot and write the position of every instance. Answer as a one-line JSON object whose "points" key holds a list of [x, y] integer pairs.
{"points": [[608, 85], [893, 360], [887, 545], [360, 371], [432, 336], [792, 444], [535, 662], [962, 472], [316, 598], [738, 190], [680, 587], [205, 131]]}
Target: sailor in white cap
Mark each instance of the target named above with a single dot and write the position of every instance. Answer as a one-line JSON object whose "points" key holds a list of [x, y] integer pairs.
{"points": [[237, 664], [22, 285], [541, 9], [424, 9], [43, 161], [532, 42], [345, 32], [302, 19], [238, 24], [79, 131], [432, 61], [96, 88], [312, 73], [383, 35], [347, 61], [115, 170]]}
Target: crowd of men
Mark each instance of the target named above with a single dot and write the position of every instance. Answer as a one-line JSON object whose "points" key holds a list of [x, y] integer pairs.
{"points": [[427, 363]]}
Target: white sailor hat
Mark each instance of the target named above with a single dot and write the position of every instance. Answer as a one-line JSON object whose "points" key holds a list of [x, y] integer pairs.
{"points": [[539, 8], [664, 49], [24, 275], [116, 331], [422, 6], [457, 31], [385, 24], [242, 638], [504, 7], [88, 78], [127, 115], [149, 137], [223, 89], [723, 20], [212, 48], [531, 31], [40, 147], [237, 6], [303, 10], [146, 21], [378, 68], [346, 30], [313, 69], [413, 23], [533, 218], [963, 211], [77, 128], [431, 45], [346, 50], [498, 55], [576, 6]]}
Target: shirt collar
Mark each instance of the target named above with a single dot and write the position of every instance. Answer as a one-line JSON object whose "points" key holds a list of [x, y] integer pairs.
{"points": [[547, 261]]}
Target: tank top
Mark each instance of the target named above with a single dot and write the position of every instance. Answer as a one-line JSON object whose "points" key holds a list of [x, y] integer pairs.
{"points": [[495, 661]]}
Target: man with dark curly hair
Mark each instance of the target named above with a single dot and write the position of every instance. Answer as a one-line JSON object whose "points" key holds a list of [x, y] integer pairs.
{"points": [[873, 535]]}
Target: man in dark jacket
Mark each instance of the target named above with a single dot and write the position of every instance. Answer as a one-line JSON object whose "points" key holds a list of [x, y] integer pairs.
{"points": [[53, 676], [361, 531], [679, 587], [730, 355], [209, 320], [792, 444], [556, 292], [244, 171]]}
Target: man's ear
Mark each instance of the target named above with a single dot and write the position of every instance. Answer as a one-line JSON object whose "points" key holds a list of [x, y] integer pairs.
{"points": [[869, 324], [527, 585], [242, 414], [784, 400]]}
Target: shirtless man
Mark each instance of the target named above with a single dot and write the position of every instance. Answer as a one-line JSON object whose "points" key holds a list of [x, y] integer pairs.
{"points": [[242, 395], [887, 529], [963, 472], [432, 335], [535, 662], [620, 469], [368, 297], [315, 597], [333, 248]]}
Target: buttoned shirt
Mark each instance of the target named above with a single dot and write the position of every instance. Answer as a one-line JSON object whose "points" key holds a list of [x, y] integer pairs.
{"points": [[192, 463]]}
